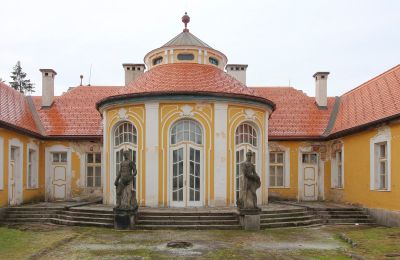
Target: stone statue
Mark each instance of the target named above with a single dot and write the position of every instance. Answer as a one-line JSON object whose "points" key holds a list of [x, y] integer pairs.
{"points": [[125, 183], [249, 183]]}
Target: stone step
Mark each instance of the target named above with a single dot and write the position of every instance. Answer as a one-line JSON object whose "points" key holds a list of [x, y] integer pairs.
{"points": [[280, 211], [93, 211], [278, 215], [19, 209], [25, 216], [81, 223], [342, 210], [291, 223], [290, 219], [27, 220], [189, 213], [350, 220], [88, 214], [191, 218], [191, 227], [349, 216], [87, 219], [190, 222]]}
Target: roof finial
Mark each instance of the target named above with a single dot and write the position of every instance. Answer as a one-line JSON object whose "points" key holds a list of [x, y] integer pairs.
{"points": [[186, 20]]}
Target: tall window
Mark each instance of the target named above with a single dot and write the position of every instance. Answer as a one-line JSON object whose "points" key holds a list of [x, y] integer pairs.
{"points": [[125, 138], [32, 169], [93, 170], [186, 147], [245, 140], [276, 169], [339, 166], [381, 168]]}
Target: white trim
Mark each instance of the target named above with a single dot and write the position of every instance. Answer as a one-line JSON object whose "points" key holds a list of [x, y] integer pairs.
{"points": [[35, 177], [1, 163], [286, 164], [48, 175], [103, 160], [383, 135], [14, 142], [220, 153], [152, 150]]}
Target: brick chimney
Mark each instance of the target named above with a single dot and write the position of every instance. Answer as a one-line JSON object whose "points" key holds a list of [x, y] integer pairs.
{"points": [[321, 92], [47, 86], [132, 71], [238, 71]]}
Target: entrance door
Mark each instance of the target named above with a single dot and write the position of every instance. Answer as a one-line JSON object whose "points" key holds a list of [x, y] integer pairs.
{"points": [[58, 170], [186, 176], [310, 176], [15, 177]]}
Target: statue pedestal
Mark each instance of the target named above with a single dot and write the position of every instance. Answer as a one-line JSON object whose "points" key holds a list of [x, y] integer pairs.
{"points": [[250, 218], [124, 218]]}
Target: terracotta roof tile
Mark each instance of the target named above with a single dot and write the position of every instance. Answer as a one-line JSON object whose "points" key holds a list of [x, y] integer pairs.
{"points": [[375, 99], [74, 113], [187, 77], [296, 114], [14, 109]]}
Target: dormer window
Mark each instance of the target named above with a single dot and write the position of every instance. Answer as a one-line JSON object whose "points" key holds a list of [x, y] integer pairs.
{"points": [[157, 60], [185, 56], [213, 61]]}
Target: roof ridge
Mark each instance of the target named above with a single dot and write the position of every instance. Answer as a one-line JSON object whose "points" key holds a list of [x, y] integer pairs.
{"points": [[370, 80]]}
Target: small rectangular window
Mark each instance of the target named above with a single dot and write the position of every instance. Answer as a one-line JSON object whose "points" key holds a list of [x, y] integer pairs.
{"points": [[277, 169], [381, 168], [93, 170]]}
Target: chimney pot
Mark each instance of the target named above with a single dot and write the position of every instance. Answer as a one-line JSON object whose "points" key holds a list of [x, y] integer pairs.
{"points": [[321, 89], [47, 86], [132, 71], [238, 71]]}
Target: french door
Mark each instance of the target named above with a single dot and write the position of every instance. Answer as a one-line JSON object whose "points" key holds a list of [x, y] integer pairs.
{"points": [[186, 176]]}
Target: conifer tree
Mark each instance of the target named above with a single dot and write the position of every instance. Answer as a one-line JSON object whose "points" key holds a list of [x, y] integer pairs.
{"points": [[18, 80], [2, 80]]}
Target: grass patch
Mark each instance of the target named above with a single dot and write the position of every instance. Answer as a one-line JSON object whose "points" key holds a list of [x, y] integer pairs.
{"points": [[17, 244]]}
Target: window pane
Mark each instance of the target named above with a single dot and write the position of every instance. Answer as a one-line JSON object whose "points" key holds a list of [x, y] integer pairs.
{"points": [[271, 157], [55, 156], [90, 158], [63, 157], [279, 175], [98, 157], [279, 157], [90, 171], [383, 150]]}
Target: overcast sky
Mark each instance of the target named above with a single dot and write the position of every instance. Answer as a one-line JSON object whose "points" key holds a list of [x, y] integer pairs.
{"points": [[281, 41]]}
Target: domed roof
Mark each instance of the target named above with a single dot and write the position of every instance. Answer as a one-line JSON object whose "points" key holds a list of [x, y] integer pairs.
{"points": [[187, 78]]}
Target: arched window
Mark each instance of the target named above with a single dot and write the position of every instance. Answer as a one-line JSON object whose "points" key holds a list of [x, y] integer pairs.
{"points": [[186, 163], [157, 60], [245, 140], [213, 61], [125, 138]]}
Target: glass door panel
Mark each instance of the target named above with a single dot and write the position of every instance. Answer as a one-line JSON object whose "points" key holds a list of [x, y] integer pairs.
{"points": [[194, 176], [177, 176]]}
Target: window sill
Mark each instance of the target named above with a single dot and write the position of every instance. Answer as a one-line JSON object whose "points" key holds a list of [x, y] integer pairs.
{"points": [[278, 187], [334, 188], [382, 190]]}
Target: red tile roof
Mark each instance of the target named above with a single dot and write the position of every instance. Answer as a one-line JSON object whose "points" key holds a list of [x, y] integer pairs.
{"points": [[296, 114], [15, 111], [374, 100], [189, 78], [74, 113]]}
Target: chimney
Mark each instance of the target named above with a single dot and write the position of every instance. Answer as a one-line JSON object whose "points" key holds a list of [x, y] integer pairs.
{"points": [[132, 71], [238, 71], [321, 94], [47, 86]]}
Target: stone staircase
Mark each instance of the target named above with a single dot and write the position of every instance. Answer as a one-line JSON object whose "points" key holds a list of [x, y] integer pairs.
{"points": [[175, 219], [61, 215], [344, 216], [288, 218]]}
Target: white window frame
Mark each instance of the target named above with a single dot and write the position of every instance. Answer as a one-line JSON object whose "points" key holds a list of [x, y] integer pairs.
{"points": [[273, 147], [1, 163], [383, 136], [35, 166], [93, 165], [335, 171]]}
